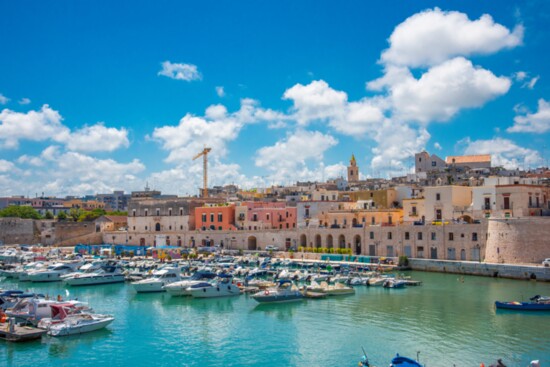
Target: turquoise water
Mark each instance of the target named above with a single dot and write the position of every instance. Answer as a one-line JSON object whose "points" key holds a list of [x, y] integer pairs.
{"points": [[448, 321]]}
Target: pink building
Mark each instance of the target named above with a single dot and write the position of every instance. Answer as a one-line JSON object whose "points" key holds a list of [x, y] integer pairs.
{"points": [[255, 215]]}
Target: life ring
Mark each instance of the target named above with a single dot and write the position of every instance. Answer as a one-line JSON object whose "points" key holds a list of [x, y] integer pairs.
{"points": [[266, 293]]}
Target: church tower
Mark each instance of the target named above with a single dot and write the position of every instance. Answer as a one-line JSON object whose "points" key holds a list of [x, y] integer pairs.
{"points": [[353, 170]]}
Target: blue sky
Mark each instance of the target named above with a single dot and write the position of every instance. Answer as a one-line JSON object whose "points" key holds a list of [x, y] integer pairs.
{"points": [[98, 96]]}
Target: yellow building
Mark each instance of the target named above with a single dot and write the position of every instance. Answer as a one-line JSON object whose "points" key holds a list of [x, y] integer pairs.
{"points": [[358, 218], [382, 199]]}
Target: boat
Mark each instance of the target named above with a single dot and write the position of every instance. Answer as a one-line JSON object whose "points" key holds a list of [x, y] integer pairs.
{"points": [[537, 303], [181, 288], [394, 283], [66, 320], [285, 291], [397, 361], [32, 310], [105, 275], [338, 289], [223, 288], [53, 273], [159, 279]]}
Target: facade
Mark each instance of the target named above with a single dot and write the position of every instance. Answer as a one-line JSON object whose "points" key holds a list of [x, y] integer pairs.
{"points": [[414, 210], [117, 201], [517, 201], [361, 218], [445, 203], [382, 199], [470, 161], [322, 194], [424, 162], [215, 217], [308, 212], [254, 215]]}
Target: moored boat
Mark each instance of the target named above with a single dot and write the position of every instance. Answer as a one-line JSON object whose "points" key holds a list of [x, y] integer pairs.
{"points": [[66, 321], [537, 303], [285, 291]]}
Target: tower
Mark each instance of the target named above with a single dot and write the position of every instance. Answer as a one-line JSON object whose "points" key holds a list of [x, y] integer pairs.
{"points": [[353, 170]]}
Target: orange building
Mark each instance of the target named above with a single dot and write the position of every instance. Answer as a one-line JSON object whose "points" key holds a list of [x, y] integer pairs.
{"points": [[215, 218]]}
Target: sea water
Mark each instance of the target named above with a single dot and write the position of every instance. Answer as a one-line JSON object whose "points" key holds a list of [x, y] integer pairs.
{"points": [[450, 320]]}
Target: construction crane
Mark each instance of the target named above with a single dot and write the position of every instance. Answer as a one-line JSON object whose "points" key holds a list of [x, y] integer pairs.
{"points": [[204, 154]]}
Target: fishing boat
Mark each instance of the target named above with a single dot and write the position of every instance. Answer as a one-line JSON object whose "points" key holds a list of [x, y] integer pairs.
{"points": [[66, 320], [537, 303], [285, 291]]}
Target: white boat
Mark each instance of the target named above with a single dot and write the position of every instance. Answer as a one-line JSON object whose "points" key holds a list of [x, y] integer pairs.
{"points": [[86, 268], [65, 320], [338, 289], [33, 310], [53, 273], [104, 275], [23, 273], [159, 279], [181, 288], [222, 288], [285, 291]]}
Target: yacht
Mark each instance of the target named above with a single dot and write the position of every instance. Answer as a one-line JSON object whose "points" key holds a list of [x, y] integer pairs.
{"points": [[285, 291], [53, 273], [107, 274], [223, 288], [338, 289], [157, 282], [181, 288], [67, 320]]}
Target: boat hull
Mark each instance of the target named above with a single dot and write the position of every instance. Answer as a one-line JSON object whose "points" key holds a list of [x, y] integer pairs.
{"points": [[96, 280], [213, 292], [523, 306], [278, 298], [64, 329]]}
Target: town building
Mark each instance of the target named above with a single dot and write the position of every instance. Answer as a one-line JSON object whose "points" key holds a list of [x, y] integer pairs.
{"points": [[353, 170]]}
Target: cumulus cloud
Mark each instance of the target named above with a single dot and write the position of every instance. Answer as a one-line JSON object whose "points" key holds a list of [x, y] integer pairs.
{"points": [[438, 146], [3, 99], [441, 92], [215, 129], [504, 152], [6, 166], [98, 138], [538, 122], [287, 158], [179, 71], [24, 101], [434, 36], [220, 91], [41, 125]]}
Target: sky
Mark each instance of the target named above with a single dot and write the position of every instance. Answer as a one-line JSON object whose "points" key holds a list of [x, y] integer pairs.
{"points": [[104, 95]]}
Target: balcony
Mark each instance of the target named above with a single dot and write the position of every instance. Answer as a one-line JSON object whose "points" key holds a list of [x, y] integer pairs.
{"points": [[413, 214]]}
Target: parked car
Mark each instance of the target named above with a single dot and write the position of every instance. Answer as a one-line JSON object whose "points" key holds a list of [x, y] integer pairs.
{"points": [[546, 262], [271, 248]]}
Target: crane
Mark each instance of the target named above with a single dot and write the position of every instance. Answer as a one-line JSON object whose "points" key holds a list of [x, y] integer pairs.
{"points": [[204, 154]]}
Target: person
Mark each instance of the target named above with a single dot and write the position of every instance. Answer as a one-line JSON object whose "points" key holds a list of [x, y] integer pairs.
{"points": [[59, 298]]}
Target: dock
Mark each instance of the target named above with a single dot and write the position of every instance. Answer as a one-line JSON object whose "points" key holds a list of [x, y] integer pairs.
{"points": [[20, 333]]}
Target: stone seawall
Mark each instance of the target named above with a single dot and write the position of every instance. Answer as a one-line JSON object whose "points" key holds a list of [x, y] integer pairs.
{"points": [[18, 231], [524, 272], [518, 240]]}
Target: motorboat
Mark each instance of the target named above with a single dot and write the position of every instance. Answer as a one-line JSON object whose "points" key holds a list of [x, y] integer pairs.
{"points": [[285, 291], [394, 283], [157, 282], [66, 320], [32, 310], [223, 288], [107, 274], [338, 289], [181, 288], [537, 303], [376, 281], [397, 361], [86, 268], [23, 273], [53, 273]]}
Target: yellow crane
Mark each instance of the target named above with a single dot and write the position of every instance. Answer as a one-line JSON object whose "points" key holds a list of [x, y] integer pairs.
{"points": [[204, 154]]}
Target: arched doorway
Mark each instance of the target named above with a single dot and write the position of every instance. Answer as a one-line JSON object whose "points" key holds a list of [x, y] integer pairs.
{"points": [[357, 242], [342, 241], [318, 241], [252, 245], [329, 241], [157, 227], [303, 240]]}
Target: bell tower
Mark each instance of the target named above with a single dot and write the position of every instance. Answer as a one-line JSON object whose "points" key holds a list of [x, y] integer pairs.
{"points": [[353, 170]]}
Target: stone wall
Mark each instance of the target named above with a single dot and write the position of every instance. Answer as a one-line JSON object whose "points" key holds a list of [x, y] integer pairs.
{"points": [[18, 231], [518, 240], [66, 231]]}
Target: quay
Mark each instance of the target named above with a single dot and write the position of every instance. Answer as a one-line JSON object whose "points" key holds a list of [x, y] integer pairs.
{"points": [[19, 333]]}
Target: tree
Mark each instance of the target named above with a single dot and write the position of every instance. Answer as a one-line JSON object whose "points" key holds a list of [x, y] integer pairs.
{"points": [[48, 215], [88, 216], [15, 211], [61, 216], [74, 213]]}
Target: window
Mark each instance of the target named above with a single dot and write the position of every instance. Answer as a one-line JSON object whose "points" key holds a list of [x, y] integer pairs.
{"points": [[451, 236], [372, 221], [220, 217], [181, 227], [371, 235], [363, 219], [145, 227], [170, 211], [212, 217], [145, 212], [267, 216], [287, 214], [433, 236], [203, 217], [255, 218], [133, 213], [287, 225], [406, 235], [390, 219], [434, 163], [158, 212], [157, 227], [170, 228], [419, 236], [220, 228], [474, 236], [181, 211], [438, 196], [345, 221], [530, 201], [389, 235]]}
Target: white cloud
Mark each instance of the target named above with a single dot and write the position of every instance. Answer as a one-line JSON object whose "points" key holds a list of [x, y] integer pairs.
{"points": [[441, 92], [433, 36], [503, 152], [98, 138], [24, 101], [520, 75], [531, 84], [3, 99], [41, 125], [438, 146], [6, 166], [538, 122], [220, 91], [187, 72], [289, 158], [215, 130]]}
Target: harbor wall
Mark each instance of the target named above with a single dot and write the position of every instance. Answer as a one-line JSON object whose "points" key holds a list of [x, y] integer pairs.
{"points": [[19, 231], [518, 240], [512, 271]]}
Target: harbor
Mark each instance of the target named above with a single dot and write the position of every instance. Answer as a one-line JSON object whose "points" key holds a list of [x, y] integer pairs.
{"points": [[450, 319]]}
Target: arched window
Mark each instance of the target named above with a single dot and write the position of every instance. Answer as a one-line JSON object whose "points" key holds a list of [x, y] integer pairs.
{"points": [[157, 227]]}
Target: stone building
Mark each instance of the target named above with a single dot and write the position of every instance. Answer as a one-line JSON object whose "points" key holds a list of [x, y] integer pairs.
{"points": [[353, 170]]}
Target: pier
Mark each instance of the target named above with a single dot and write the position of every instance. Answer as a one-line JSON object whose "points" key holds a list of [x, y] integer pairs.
{"points": [[19, 333]]}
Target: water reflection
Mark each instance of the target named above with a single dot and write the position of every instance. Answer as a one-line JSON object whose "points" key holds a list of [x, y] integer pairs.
{"points": [[62, 347], [282, 311]]}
